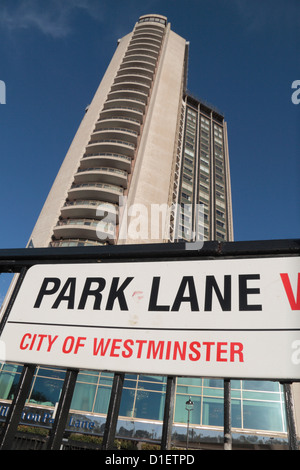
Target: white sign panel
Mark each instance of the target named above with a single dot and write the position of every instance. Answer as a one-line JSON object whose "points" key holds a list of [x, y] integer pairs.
{"points": [[235, 318]]}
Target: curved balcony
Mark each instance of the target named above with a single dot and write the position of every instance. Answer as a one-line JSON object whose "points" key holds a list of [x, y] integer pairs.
{"points": [[132, 102], [153, 38], [149, 29], [111, 146], [112, 160], [142, 42], [130, 84], [137, 64], [91, 209], [119, 122], [69, 242], [128, 94], [101, 174], [138, 79], [141, 50], [85, 228], [122, 111], [139, 57], [140, 71], [115, 133], [101, 191]]}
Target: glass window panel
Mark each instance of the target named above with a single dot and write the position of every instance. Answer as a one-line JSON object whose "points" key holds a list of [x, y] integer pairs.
{"points": [[213, 383], [102, 400], [51, 373], [46, 391], [181, 414], [213, 392], [260, 385], [189, 390], [83, 397], [106, 380], [87, 378], [265, 416], [236, 414], [127, 401], [149, 405], [190, 381], [261, 396], [8, 383], [213, 411]]}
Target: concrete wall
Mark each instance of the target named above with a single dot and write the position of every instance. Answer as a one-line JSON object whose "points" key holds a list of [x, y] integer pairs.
{"points": [[154, 163]]}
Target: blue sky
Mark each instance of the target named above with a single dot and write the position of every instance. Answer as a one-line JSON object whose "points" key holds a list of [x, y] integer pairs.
{"points": [[244, 57]]}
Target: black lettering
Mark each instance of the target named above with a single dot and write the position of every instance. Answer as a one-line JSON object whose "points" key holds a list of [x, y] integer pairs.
{"points": [[45, 291], [192, 298], [96, 292], [224, 300], [244, 291], [70, 283], [118, 293], [153, 297]]}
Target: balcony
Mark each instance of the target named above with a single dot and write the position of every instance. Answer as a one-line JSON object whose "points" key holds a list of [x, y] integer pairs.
{"points": [[139, 57], [122, 111], [137, 64], [91, 209], [111, 146], [132, 102], [115, 133], [142, 42], [100, 191], [130, 83], [85, 228], [151, 37], [141, 50], [112, 160], [69, 242], [128, 94], [120, 122], [140, 71], [101, 174]]}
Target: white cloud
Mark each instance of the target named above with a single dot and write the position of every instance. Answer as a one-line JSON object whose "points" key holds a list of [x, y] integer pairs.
{"points": [[50, 17], [260, 15]]}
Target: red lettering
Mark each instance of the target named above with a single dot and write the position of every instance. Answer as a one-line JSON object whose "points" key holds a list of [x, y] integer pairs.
{"points": [[68, 344], [159, 349], [294, 303], [168, 352], [197, 356], [221, 351], [79, 343], [99, 347], [236, 349], [22, 345], [208, 348], [32, 342], [126, 344], [177, 349], [114, 347], [42, 337], [140, 342]]}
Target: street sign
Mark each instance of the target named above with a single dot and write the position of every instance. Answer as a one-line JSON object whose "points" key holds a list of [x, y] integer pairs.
{"points": [[234, 318]]}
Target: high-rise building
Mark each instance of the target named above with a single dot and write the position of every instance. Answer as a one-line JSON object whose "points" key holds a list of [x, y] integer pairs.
{"points": [[145, 144]]}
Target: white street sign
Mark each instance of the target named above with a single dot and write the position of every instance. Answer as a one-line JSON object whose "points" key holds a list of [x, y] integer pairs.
{"points": [[234, 318]]}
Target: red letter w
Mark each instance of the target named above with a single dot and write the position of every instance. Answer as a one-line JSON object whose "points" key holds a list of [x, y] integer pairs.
{"points": [[294, 303]]}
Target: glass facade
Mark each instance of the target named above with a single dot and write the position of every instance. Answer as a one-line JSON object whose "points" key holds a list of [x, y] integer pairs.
{"points": [[203, 194], [256, 405]]}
